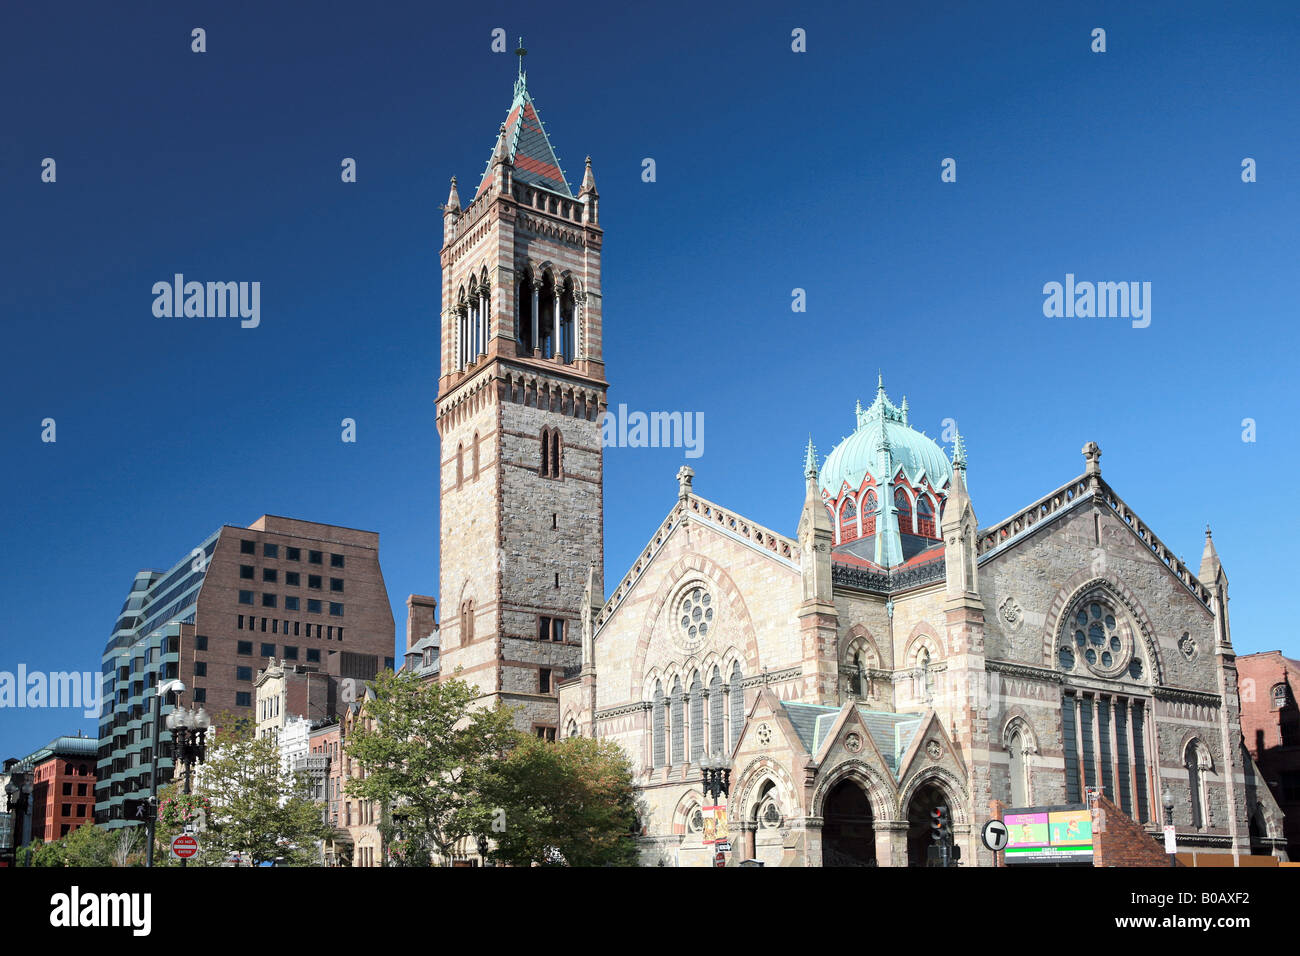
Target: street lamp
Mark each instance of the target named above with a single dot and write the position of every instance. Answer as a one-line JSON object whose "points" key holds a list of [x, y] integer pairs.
{"points": [[1168, 801], [170, 687], [189, 730], [717, 775]]}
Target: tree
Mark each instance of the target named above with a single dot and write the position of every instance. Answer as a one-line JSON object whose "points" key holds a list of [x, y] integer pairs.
{"points": [[568, 802], [249, 804], [415, 745], [88, 845]]}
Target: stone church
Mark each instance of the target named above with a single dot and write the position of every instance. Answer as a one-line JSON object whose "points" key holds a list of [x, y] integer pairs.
{"points": [[891, 656]]}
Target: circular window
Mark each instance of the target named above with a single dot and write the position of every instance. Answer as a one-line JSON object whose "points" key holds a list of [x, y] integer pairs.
{"points": [[1102, 639], [694, 618]]}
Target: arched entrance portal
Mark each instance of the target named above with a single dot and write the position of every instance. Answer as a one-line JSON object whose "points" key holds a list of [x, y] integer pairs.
{"points": [[848, 827], [919, 840]]}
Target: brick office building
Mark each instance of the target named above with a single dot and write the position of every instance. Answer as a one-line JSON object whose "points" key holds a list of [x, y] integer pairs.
{"points": [[284, 589], [1270, 721], [63, 786]]}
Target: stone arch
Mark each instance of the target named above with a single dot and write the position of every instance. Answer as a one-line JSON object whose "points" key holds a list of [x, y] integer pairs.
{"points": [[1107, 581], [1017, 719], [880, 792], [945, 780], [686, 805], [923, 634], [723, 586], [750, 786]]}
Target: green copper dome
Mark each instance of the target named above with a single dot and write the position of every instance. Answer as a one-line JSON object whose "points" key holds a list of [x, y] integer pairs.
{"points": [[882, 441]]}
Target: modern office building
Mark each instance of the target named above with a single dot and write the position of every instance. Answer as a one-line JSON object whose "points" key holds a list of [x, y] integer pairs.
{"points": [[279, 589]]}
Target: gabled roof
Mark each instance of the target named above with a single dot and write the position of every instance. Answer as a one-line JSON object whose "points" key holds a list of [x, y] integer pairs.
{"points": [[891, 733], [528, 147]]}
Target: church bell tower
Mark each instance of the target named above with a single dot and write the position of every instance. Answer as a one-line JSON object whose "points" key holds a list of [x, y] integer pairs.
{"points": [[520, 393]]}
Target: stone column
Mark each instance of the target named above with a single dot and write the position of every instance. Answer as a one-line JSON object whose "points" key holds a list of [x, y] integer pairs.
{"points": [[891, 842], [485, 304], [537, 346]]}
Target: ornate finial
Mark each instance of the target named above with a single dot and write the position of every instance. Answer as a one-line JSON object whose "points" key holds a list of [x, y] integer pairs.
{"points": [[588, 180], [453, 199], [1207, 531], [521, 53], [958, 451], [685, 474], [810, 460], [903, 409], [1092, 455], [880, 381]]}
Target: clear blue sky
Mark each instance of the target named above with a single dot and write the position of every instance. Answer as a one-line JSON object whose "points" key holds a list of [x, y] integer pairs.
{"points": [[775, 170]]}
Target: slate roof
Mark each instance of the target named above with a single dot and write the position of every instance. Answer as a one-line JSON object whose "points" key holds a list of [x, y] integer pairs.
{"points": [[892, 733], [529, 147]]}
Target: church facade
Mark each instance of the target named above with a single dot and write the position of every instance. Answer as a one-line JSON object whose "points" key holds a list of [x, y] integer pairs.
{"points": [[889, 657]]}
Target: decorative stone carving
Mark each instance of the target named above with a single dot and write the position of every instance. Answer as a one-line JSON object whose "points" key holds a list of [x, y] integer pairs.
{"points": [[933, 749], [764, 733], [853, 743], [1187, 644], [1012, 614]]}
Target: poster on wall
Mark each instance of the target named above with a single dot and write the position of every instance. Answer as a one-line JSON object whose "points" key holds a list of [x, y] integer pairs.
{"points": [[1049, 835]]}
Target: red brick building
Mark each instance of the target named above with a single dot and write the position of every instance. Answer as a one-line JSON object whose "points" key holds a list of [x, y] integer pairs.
{"points": [[1270, 722], [63, 787]]}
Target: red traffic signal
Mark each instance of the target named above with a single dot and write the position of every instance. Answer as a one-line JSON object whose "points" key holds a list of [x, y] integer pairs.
{"points": [[938, 823]]}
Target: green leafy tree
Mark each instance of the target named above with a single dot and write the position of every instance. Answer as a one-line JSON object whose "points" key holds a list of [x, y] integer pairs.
{"points": [[244, 802], [568, 802], [417, 749], [88, 845]]}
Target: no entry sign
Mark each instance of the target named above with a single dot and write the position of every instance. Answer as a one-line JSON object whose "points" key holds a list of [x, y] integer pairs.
{"points": [[184, 847]]}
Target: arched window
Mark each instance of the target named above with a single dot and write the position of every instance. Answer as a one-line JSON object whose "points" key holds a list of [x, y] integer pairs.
{"points": [[925, 517], [546, 320], [476, 454], [677, 716], [460, 465], [697, 718], [848, 519], [466, 622], [904, 507], [572, 729], [658, 716], [567, 345], [1196, 761], [552, 454], [716, 728], [869, 507], [1018, 788], [737, 706], [524, 315]]}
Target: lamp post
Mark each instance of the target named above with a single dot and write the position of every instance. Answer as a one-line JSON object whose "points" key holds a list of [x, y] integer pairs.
{"points": [[169, 687], [716, 770], [1168, 801], [189, 730]]}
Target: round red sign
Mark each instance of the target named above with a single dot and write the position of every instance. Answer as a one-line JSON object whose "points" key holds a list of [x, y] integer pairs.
{"points": [[185, 846]]}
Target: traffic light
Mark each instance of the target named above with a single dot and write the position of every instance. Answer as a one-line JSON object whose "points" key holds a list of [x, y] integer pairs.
{"points": [[137, 811], [939, 824]]}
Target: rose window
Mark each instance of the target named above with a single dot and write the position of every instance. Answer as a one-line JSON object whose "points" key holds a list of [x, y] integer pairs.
{"points": [[1097, 638], [697, 615]]}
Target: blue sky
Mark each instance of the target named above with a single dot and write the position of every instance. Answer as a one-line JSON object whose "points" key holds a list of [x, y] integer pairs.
{"points": [[775, 171]]}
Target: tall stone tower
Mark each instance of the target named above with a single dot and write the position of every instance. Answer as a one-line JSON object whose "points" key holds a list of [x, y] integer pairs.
{"points": [[520, 393]]}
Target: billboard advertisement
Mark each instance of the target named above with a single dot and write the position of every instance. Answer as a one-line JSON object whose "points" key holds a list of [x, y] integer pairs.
{"points": [[1049, 835]]}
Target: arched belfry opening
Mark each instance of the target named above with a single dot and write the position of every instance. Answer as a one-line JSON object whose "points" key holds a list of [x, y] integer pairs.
{"points": [[848, 826]]}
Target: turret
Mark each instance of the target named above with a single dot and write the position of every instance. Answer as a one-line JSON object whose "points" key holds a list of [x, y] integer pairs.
{"points": [[450, 214], [815, 535], [959, 527], [1214, 578], [589, 198]]}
